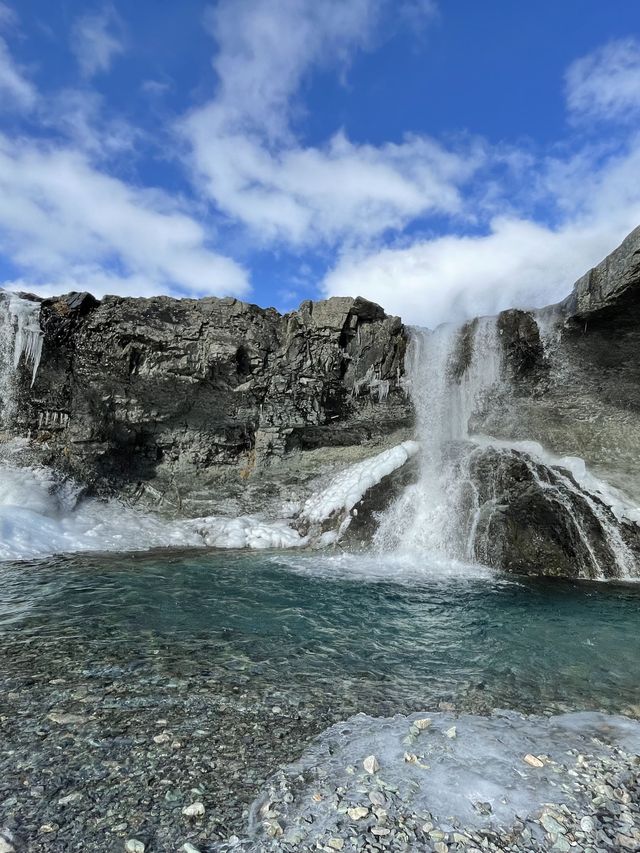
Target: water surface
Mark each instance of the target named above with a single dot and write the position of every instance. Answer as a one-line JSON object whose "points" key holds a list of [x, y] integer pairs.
{"points": [[352, 629]]}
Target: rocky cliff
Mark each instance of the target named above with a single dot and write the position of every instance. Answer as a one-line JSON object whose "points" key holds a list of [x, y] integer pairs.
{"points": [[216, 407], [211, 406], [572, 384]]}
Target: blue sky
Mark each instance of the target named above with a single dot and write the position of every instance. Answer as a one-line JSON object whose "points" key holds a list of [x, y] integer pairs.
{"points": [[442, 158]]}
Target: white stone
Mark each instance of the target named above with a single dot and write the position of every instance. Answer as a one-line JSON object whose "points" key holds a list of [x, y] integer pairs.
{"points": [[187, 847], [370, 764], [194, 810], [452, 732], [161, 738], [134, 846], [587, 824], [70, 798], [533, 761], [357, 812]]}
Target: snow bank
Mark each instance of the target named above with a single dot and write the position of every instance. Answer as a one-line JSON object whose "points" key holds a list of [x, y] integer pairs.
{"points": [[350, 486]]}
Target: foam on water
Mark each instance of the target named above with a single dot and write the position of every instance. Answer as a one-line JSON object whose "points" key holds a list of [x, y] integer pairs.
{"points": [[400, 567]]}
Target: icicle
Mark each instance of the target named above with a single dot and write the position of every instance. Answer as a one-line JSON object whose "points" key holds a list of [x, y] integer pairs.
{"points": [[28, 335]]}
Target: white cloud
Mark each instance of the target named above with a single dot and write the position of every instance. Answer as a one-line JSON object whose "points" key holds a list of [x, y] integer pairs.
{"points": [[245, 154], [606, 83], [14, 86], [96, 39], [517, 263], [16, 91], [79, 114], [63, 221]]}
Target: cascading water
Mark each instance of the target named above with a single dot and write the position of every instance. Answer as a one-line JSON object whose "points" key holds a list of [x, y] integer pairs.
{"points": [[452, 371], [455, 374]]}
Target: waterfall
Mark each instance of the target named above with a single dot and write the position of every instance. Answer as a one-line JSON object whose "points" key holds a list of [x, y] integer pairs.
{"points": [[455, 374], [452, 373], [20, 340]]}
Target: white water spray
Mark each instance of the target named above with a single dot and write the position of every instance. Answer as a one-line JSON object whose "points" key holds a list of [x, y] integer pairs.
{"points": [[452, 373]]}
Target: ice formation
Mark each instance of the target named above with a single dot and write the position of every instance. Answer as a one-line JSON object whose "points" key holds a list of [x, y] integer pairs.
{"points": [[24, 316], [40, 515], [460, 769], [349, 487]]}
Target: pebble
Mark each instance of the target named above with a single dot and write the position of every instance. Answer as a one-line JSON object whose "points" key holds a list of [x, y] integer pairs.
{"points": [[336, 843], [451, 733], [63, 719], [162, 738], [195, 810], [533, 761], [551, 824], [188, 847], [70, 798], [422, 724], [587, 825], [370, 764], [377, 798], [134, 846], [357, 812], [5, 847]]}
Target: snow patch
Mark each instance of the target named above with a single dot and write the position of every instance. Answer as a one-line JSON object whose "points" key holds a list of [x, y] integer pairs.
{"points": [[350, 486]]}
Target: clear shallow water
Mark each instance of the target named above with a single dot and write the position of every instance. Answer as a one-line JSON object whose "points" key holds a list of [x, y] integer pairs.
{"points": [[338, 632]]}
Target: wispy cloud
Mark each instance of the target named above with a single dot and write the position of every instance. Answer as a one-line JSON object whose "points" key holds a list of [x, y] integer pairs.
{"points": [[516, 260], [63, 221], [16, 90], [246, 155], [96, 39], [606, 83]]}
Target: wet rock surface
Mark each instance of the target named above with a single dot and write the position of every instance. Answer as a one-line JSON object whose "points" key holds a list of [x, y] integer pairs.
{"points": [[212, 406], [534, 519]]}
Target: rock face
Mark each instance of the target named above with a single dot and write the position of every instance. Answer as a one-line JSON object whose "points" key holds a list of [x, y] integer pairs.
{"points": [[572, 384], [535, 519], [212, 406], [216, 407], [575, 372]]}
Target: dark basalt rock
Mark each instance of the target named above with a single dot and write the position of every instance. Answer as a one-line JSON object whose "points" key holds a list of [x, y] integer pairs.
{"points": [[212, 405], [535, 520]]}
